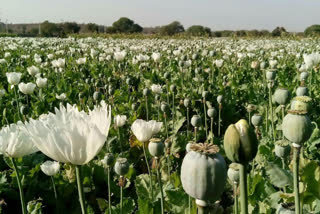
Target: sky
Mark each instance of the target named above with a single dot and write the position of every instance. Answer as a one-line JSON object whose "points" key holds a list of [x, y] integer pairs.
{"points": [[294, 15]]}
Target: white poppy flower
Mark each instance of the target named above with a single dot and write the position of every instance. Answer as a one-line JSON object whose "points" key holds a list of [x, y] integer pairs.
{"points": [[27, 88], [144, 130], [13, 78], [41, 82], [157, 89], [70, 135], [50, 168], [33, 70], [119, 120], [15, 141]]}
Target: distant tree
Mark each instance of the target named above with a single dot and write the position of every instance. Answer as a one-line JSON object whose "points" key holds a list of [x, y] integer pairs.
{"points": [[91, 28], [265, 33], [172, 28], [49, 29], [198, 30], [126, 25], [70, 27], [240, 33], [33, 32], [110, 29], [216, 34], [278, 31], [312, 30]]}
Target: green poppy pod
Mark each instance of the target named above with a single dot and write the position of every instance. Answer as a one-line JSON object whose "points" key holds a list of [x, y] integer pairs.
{"points": [[203, 172], [164, 107], [146, 92], [296, 127], [96, 95], [303, 76], [233, 172], [128, 81], [205, 94], [108, 159], [173, 88], [186, 102], [240, 142], [302, 91], [270, 75], [121, 167], [196, 121], [24, 110], [156, 147], [282, 96], [212, 112], [256, 119], [301, 103], [282, 148], [134, 106], [219, 99]]}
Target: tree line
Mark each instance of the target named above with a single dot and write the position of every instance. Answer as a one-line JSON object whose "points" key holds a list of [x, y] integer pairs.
{"points": [[127, 26]]}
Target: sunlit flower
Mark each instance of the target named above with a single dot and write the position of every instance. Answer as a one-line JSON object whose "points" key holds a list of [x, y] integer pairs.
{"points": [[41, 82], [119, 120], [70, 135], [119, 56], [50, 168], [62, 96], [144, 130], [81, 61], [156, 57], [219, 62], [27, 88], [157, 89], [15, 141], [13, 78], [33, 70]]}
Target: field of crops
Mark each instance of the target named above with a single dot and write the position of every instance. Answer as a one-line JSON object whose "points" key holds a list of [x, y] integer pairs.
{"points": [[159, 126]]}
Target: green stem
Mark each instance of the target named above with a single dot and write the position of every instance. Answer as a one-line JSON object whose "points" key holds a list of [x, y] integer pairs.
{"points": [[219, 123], [147, 108], [109, 191], [160, 184], [267, 119], [168, 101], [189, 204], [188, 122], [16, 95], [173, 111], [236, 209], [211, 128], [282, 112], [243, 189], [23, 204], [159, 110], [165, 124], [150, 175], [121, 201], [296, 153], [119, 139], [249, 118], [195, 134], [271, 108], [80, 189], [54, 188], [205, 117]]}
